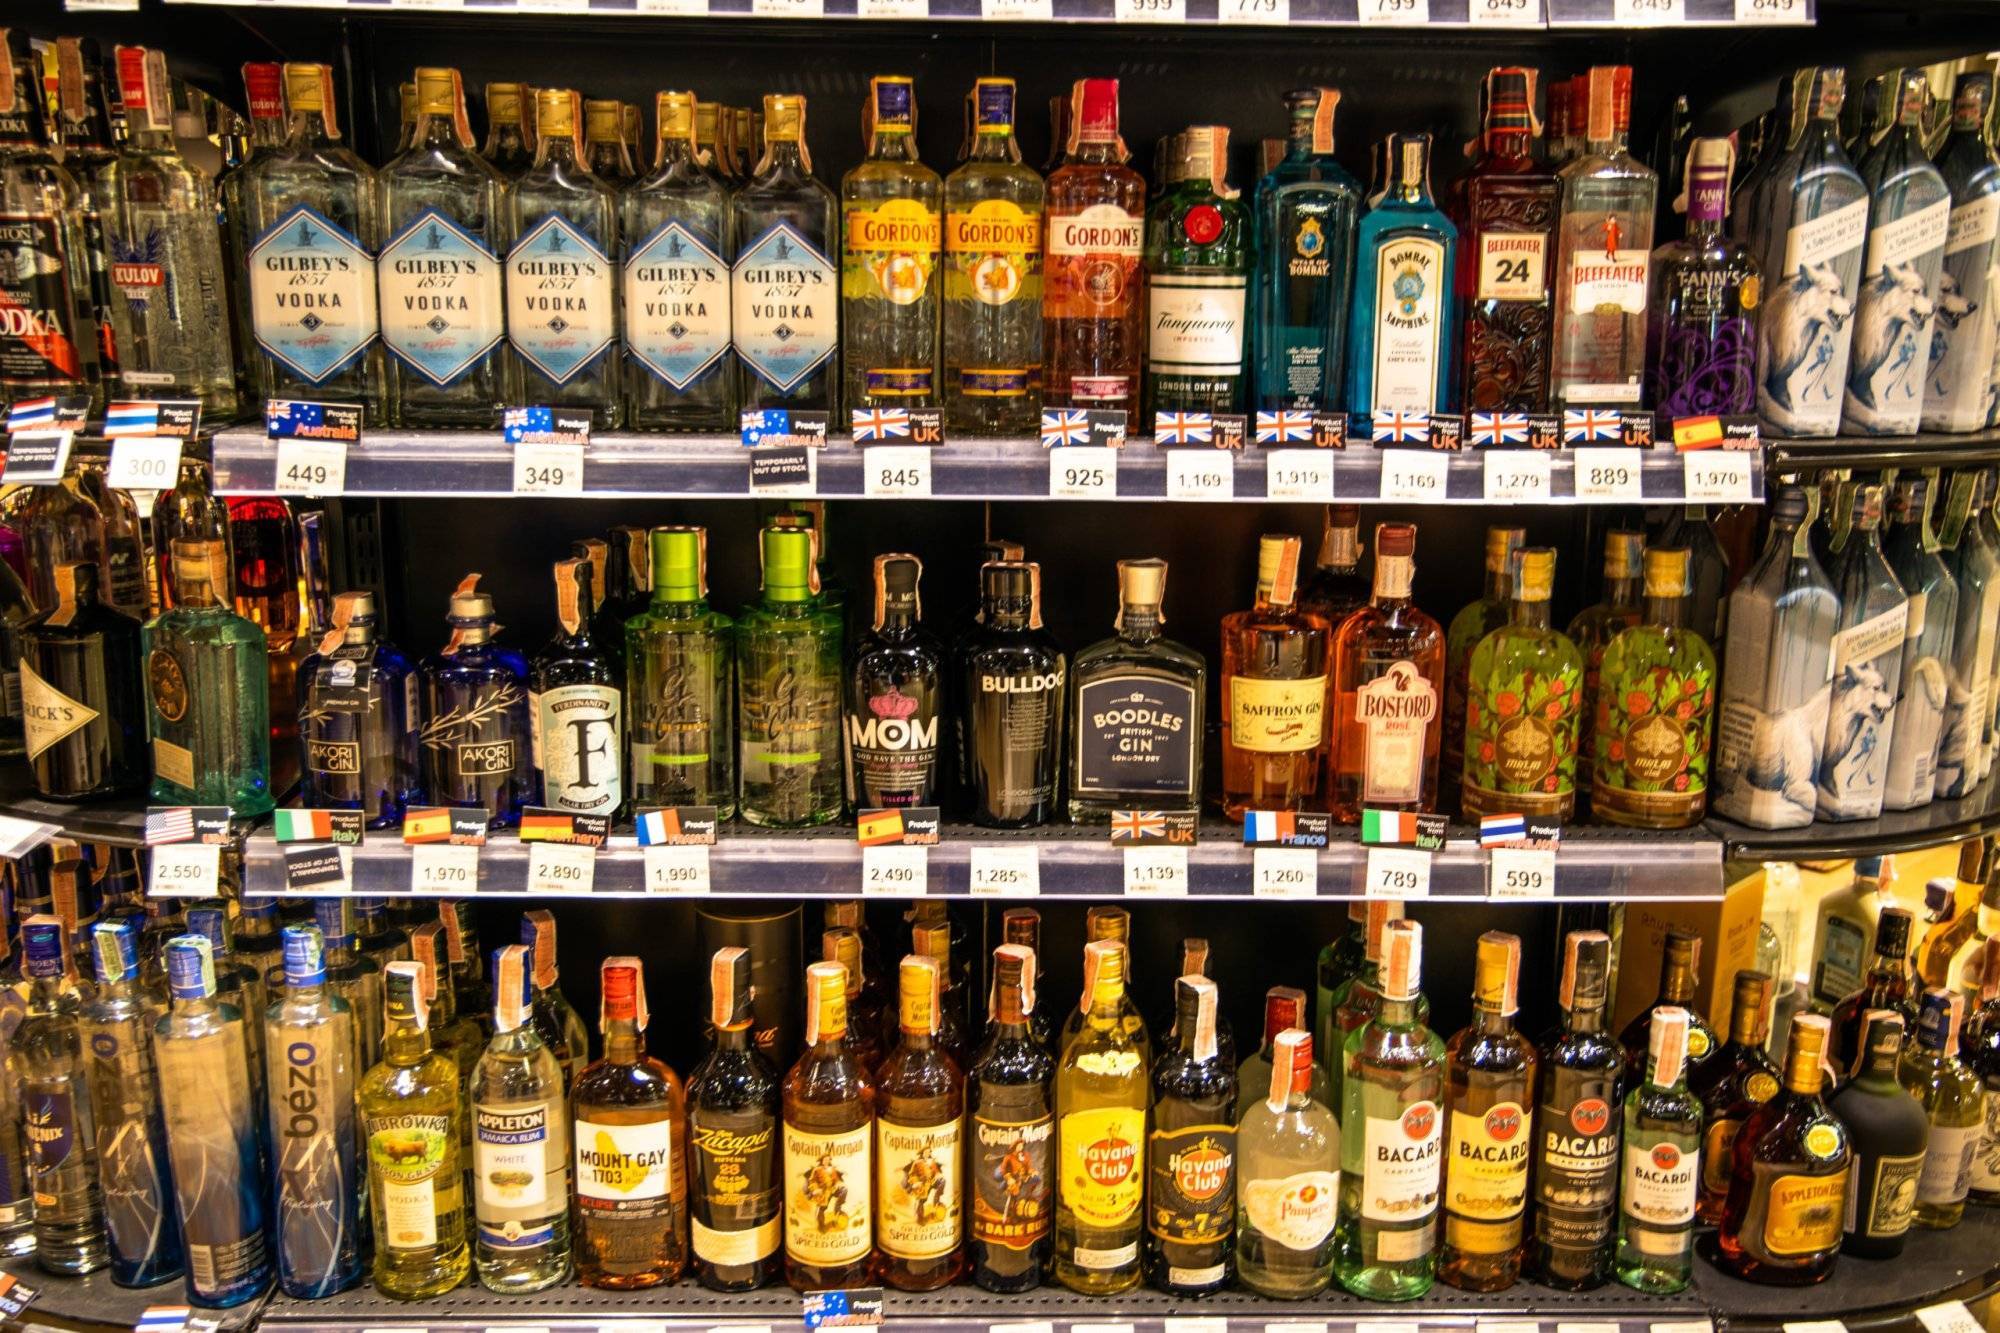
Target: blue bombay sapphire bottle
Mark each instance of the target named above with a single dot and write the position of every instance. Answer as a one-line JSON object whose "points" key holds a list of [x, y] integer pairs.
{"points": [[1306, 209], [1958, 395], [475, 739], [1399, 344], [357, 719]]}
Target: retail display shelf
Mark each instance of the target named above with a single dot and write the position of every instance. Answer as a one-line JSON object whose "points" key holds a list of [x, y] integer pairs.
{"points": [[96, 1302], [1931, 825], [1898, 451], [1407, 14]]}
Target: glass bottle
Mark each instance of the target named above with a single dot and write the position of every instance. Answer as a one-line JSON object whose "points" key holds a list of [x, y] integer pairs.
{"points": [[1507, 206], [918, 1148], [1191, 1152], [784, 311], [1489, 1116], [1013, 676], [733, 1113], [1680, 966], [895, 697], [604, 149], [1094, 287], [1868, 648], [358, 718], [556, 1021], [126, 552], [520, 1143], [80, 694], [1932, 1072], [352, 976], [1284, 1007], [319, 1191], [1576, 1158], [679, 683], [1887, 1132], [993, 206], [1789, 1176], [573, 683], [788, 692], [1388, 676], [1101, 1109], [1922, 691], [1136, 699], [1965, 331], [1596, 626], [1401, 328], [472, 993], [1199, 249], [1889, 983], [510, 128], [1701, 336], [1274, 691], [1289, 1188], [1522, 690], [1337, 588], [476, 728], [1010, 1105], [1981, 1051], [1474, 621], [1964, 752], [892, 238], [829, 1112], [1662, 1163], [207, 701], [1359, 998], [60, 524], [47, 1055], [1306, 207], [1732, 1086], [1655, 710]]}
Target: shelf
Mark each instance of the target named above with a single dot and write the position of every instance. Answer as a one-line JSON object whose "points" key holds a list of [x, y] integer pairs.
{"points": [[1437, 14], [1679, 13], [1869, 451], [1932, 825], [96, 1302]]}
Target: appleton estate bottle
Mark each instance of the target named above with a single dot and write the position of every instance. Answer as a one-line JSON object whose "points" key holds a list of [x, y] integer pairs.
{"points": [[1788, 1176]]}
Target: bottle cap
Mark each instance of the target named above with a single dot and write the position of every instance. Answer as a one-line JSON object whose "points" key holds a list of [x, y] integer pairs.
{"points": [[1093, 112], [437, 91], [1867, 508], [1194, 1009], [826, 1002], [260, 910], [115, 949], [730, 997], [843, 945], [304, 951], [1395, 541], [896, 579], [1666, 1046], [1501, 543], [919, 981], [1278, 569], [1284, 1007], [335, 919], [573, 593], [190, 967], [1789, 504], [513, 986], [1313, 107], [1194, 957], [1107, 923], [1710, 164], [1750, 1007], [1989, 968], [1938, 895], [621, 984], [556, 113], [680, 563], [1023, 926], [1534, 573], [1882, 1034], [305, 86], [404, 993], [1970, 100], [1892, 933], [1381, 911], [1913, 91], [1666, 571], [1624, 551], [1937, 1020], [1291, 1067], [993, 106], [784, 117], [468, 605], [789, 575], [1975, 861], [933, 941], [1496, 973], [44, 943], [538, 932], [264, 89], [210, 920], [1103, 972], [1586, 970], [843, 912], [503, 104], [1805, 1050], [1013, 983], [1142, 587], [892, 104], [1402, 960]]}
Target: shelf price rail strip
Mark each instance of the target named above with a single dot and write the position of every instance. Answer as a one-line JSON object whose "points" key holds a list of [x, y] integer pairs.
{"points": [[1420, 15]]}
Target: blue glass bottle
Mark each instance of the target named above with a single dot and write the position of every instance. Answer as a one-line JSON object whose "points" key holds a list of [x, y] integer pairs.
{"points": [[357, 719], [1958, 392], [138, 1190], [316, 1176], [47, 1057], [213, 1133], [1306, 208], [1400, 334], [475, 738]]}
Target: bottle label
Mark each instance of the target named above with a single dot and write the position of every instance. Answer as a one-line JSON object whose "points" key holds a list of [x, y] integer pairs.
{"points": [[1613, 283], [627, 1169], [1651, 740], [733, 1178], [1947, 1172], [1093, 263], [1101, 1177], [1486, 1178], [1193, 1196], [784, 307], [676, 306], [1660, 1184], [38, 317], [740, 1248], [891, 250], [578, 726], [1397, 713], [173, 763], [1576, 1174], [919, 1167], [1802, 1214], [1966, 329], [50, 1118], [1012, 1181], [1717, 1145], [221, 1271], [1297, 1211], [1513, 266], [443, 308], [1855, 765], [828, 1208], [411, 1157], [1808, 321], [514, 1152], [1410, 284], [1986, 1158], [1895, 319], [1134, 734], [995, 253], [1276, 716], [1196, 324], [1843, 949], [47, 714], [894, 748], [1401, 1164], [1887, 1206], [561, 301], [312, 296], [1827, 238], [1908, 239]]}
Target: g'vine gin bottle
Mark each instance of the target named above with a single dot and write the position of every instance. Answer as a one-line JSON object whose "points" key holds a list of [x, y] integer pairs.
{"points": [[1388, 678], [993, 205], [1523, 692], [318, 1194], [1306, 208], [674, 225], [442, 299], [1199, 248], [1923, 687], [1575, 1199], [1275, 665], [1655, 709], [358, 718], [476, 729], [784, 291], [1964, 752], [894, 698], [47, 1056], [207, 707], [1468, 629], [1012, 673], [679, 683], [1702, 334], [1662, 1170], [732, 1123], [1400, 340], [1136, 699], [562, 294], [891, 241], [577, 715], [1957, 393], [1909, 218], [1867, 667], [1507, 207], [520, 1143], [1094, 283], [788, 692], [79, 691], [1604, 249]]}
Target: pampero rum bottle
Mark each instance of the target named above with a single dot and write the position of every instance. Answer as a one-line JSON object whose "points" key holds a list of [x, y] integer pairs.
{"points": [[680, 660], [1789, 1176], [1662, 1163], [1523, 692], [993, 212], [895, 698], [788, 692], [1923, 688], [1701, 339], [1604, 245], [1964, 331], [80, 701], [1388, 680], [207, 706], [1191, 1151], [1275, 663], [1013, 686], [732, 1129], [1198, 254], [578, 706], [1577, 1122], [1136, 700], [1094, 285], [1868, 646], [1306, 208], [358, 718], [1507, 207], [829, 1136], [476, 728], [1011, 1148], [1401, 329], [1490, 1090], [1101, 1108], [1288, 1189], [892, 238], [784, 292]]}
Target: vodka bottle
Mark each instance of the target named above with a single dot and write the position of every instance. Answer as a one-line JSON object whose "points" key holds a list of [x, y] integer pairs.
{"points": [[47, 1057], [318, 1196]]}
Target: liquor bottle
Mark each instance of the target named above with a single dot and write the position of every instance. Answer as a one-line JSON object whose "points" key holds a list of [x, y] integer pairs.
{"points": [[788, 692], [1507, 207], [555, 1020], [1867, 659], [1911, 549], [869, 1022], [1490, 1082], [1010, 1105], [1337, 588], [1596, 626], [1401, 325], [1909, 218], [1522, 699], [1980, 1050], [358, 718], [83, 128], [630, 1135], [895, 697], [1789, 1176], [993, 207], [520, 1143], [1284, 1008], [1013, 676], [604, 150], [1964, 333], [207, 705], [1094, 288], [263, 546], [1654, 708], [709, 120], [1136, 699], [1951, 1095], [1701, 337], [1887, 1133], [1605, 240], [80, 694], [1198, 258], [443, 313], [319, 1190], [932, 938], [732, 1121], [573, 683], [561, 222], [1474, 621], [918, 1149], [1889, 983], [1964, 755], [47, 1055], [1732, 1086], [472, 993], [1101, 1107], [1662, 1163], [117, 1028], [679, 657], [60, 524], [1289, 1155], [1388, 678], [123, 572], [1359, 998], [1966, 971], [1306, 209], [1680, 958], [829, 1135], [1577, 1121], [1191, 1152], [510, 128], [350, 976], [783, 288], [1275, 661], [892, 240], [477, 723]]}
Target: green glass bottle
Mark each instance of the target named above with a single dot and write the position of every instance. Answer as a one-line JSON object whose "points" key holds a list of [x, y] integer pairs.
{"points": [[680, 661], [1522, 691], [1655, 710], [1198, 250], [1662, 1170], [788, 693], [207, 701]]}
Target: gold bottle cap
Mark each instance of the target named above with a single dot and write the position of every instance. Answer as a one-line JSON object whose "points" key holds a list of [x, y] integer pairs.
{"points": [[1496, 973], [1103, 972], [1402, 960], [1107, 923], [1502, 543], [676, 114], [1805, 1052], [634, 124], [826, 1002], [705, 123], [555, 113], [437, 91], [503, 102], [1534, 573], [918, 981], [1750, 1007], [570, 596], [933, 942], [784, 117], [603, 121], [1666, 571], [1623, 550], [305, 88], [1278, 568], [729, 992]]}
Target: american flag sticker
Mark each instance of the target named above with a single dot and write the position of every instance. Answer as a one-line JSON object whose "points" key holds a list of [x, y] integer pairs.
{"points": [[169, 823]]}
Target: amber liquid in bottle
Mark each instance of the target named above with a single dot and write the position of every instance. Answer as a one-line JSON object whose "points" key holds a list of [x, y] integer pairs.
{"points": [[919, 1143], [1388, 688], [1274, 687], [1789, 1179], [1735, 1083], [828, 1164], [733, 1140], [1490, 1087]]}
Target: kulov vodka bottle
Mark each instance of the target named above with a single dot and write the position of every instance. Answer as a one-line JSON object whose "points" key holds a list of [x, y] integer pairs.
{"points": [[1306, 208], [1958, 390], [47, 1057], [317, 1194], [1867, 665], [1924, 686]]}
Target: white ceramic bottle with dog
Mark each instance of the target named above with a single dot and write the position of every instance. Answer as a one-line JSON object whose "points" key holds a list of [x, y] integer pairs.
{"points": [[1964, 753], [1867, 665], [1966, 329], [1912, 549]]}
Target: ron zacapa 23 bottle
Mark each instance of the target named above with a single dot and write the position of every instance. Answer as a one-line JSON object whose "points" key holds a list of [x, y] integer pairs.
{"points": [[733, 1133]]}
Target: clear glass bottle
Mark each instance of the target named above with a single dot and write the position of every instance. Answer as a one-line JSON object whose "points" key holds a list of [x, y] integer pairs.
{"points": [[319, 1186], [680, 683], [352, 976], [47, 1056], [81, 705], [1655, 710], [475, 738], [1662, 1170], [1950, 1093], [1506, 213], [1964, 334], [892, 239], [1789, 1176], [520, 1143], [829, 1138], [993, 205], [1307, 206], [1199, 249], [1288, 1189], [510, 128], [1577, 1117], [1474, 621], [895, 703], [1094, 283], [1701, 355], [788, 692], [1402, 330], [1101, 1134], [1923, 687], [1523, 690], [1490, 1089], [208, 704], [453, 1033], [783, 289], [1275, 664], [733, 1112], [1867, 665], [1284, 1007], [1388, 678], [357, 719], [1604, 248], [1010, 1106], [556, 1021], [1137, 702]]}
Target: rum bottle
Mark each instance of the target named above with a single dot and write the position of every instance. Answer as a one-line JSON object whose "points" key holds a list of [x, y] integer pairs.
{"points": [[1789, 1176], [1680, 961], [892, 238], [1388, 678], [520, 1142], [1402, 325], [1137, 702], [1889, 983], [1740, 1079], [1577, 1122], [1507, 209], [1191, 1151], [895, 697], [1662, 1170], [1274, 691], [1284, 1008], [1094, 286], [1963, 335], [477, 721], [1474, 621], [1887, 1133], [1013, 676], [1010, 1108], [828, 1163], [1198, 255], [993, 206], [788, 692], [1522, 699], [679, 682], [1489, 1117], [784, 293], [1605, 240], [919, 1149], [1950, 1093], [732, 1124], [1655, 710], [1101, 1097], [1306, 209], [1288, 1190]]}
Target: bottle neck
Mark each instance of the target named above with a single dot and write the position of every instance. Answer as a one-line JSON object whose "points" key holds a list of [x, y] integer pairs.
{"points": [[558, 150], [405, 1043], [1094, 152], [435, 130], [1509, 143], [1668, 611], [993, 146], [893, 146], [1393, 1012], [782, 155], [1139, 622], [733, 1038], [625, 1044], [309, 130], [1585, 1018], [1529, 614]]}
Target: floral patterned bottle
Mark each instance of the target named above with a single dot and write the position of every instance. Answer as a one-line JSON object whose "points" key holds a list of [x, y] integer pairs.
{"points": [[1521, 705], [1596, 626], [1655, 710], [1701, 355], [1472, 624]]}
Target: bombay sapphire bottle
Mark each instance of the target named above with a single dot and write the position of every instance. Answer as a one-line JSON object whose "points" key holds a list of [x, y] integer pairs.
{"points": [[475, 736], [1507, 209], [1702, 354], [1867, 664], [357, 718], [1399, 349], [47, 1057], [316, 1189], [1963, 333], [207, 704], [1306, 208], [1912, 550]]}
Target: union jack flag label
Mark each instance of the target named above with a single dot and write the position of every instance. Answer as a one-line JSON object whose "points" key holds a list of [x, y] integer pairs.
{"points": [[1065, 426], [1284, 427], [1494, 430], [1146, 828], [881, 423], [1400, 427], [1590, 425], [1183, 428]]}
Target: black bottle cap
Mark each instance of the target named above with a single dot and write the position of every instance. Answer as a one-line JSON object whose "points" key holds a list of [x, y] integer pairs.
{"points": [[1892, 933], [1789, 505]]}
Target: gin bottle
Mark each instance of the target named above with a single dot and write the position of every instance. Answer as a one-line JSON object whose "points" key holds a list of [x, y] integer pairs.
{"points": [[562, 299], [1507, 206], [892, 238], [520, 1143], [358, 718], [679, 683], [1523, 688], [1306, 209], [47, 1057], [477, 720], [993, 205], [1867, 666], [1964, 753], [674, 224], [1012, 674], [1337, 588], [1137, 702], [1662, 1164], [1604, 246], [788, 692], [1400, 330], [1701, 338], [207, 706], [1094, 284], [577, 715], [1596, 626], [783, 290], [1923, 689], [1275, 664], [1957, 384], [510, 128], [1198, 254], [1655, 710], [895, 698], [81, 705], [318, 1193]]}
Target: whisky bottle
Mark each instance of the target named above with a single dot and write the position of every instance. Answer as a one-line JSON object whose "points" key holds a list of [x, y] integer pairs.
{"points": [[1662, 1163], [1191, 1151], [357, 718], [1923, 688], [1199, 247], [732, 1124], [1275, 660], [510, 128], [1965, 754], [1284, 1008], [895, 697], [555, 1020], [829, 1135], [1468, 629], [783, 290], [892, 240], [1010, 1109], [1523, 687], [1603, 256], [993, 206], [477, 723], [1101, 1108], [1507, 207], [1732, 1086], [319, 1186], [1094, 284], [919, 1149], [1490, 1088], [80, 703], [679, 667], [1889, 983], [520, 1142], [1963, 349], [1306, 209], [1868, 647], [1680, 962], [788, 692], [207, 700], [1013, 677], [1789, 1176], [1137, 701], [1887, 1133], [1402, 326], [578, 706], [47, 1054], [1950, 1093], [1288, 1188], [1654, 710], [1337, 588], [1577, 1123], [1388, 678]]}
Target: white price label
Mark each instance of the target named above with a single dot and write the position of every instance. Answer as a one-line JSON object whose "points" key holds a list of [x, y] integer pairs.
{"points": [[1648, 13], [561, 867], [1949, 1317], [1299, 474], [1607, 474], [1771, 11], [1201, 474], [1520, 475], [672, 869], [185, 870], [1505, 13], [1284, 872], [1195, 1324], [1010, 11], [1814, 1326], [1151, 11], [1006, 872], [311, 467], [1397, 872], [895, 870], [1506, 1326], [1084, 472], [896, 469], [144, 464], [788, 9], [443, 868], [1521, 872], [1254, 11], [1717, 476], [1395, 13], [1156, 872], [675, 8], [893, 9], [548, 469], [1034, 1326], [1414, 474]]}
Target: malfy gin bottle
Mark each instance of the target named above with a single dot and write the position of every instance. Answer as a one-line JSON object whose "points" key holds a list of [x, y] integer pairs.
{"points": [[477, 724], [788, 692], [207, 706], [732, 1130], [890, 728], [783, 290], [680, 683], [358, 717], [1400, 340], [312, 1068], [1474, 621], [1136, 700], [1867, 667], [1958, 380], [1923, 688], [1701, 354], [1605, 242], [1306, 208], [578, 719], [1093, 284], [1012, 675], [1275, 663], [892, 238], [1575, 1199], [1388, 686], [1654, 710], [1506, 214], [1198, 253], [1523, 692], [1596, 626], [993, 207]]}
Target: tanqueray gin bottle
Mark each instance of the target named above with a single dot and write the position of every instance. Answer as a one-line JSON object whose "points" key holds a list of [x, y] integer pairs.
{"points": [[1964, 330]]}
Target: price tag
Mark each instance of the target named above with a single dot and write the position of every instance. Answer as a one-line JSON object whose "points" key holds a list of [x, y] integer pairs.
{"points": [[1814, 1326], [1505, 13], [1195, 1324], [311, 467], [1299, 474], [1648, 13], [548, 469], [787, 9], [1506, 1326], [1201, 474], [1006, 872], [672, 868], [1718, 476], [1016, 10], [1771, 11], [679, 8], [1520, 475], [1397, 872], [1284, 872], [895, 870], [1084, 472], [1414, 474], [1151, 11], [185, 870], [443, 868], [1949, 1317], [1156, 872], [1394, 12], [144, 463], [1521, 872], [1607, 474], [561, 867], [893, 9], [1254, 11], [896, 469]]}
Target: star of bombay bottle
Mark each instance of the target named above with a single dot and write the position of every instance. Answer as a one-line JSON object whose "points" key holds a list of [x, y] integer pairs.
{"points": [[1868, 647], [1507, 210], [1013, 674], [1388, 675], [1137, 700], [81, 706], [788, 692], [1191, 1151], [1923, 690], [1932, 1072], [1576, 1125], [1010, 1106], [1522, 693], [1474, 621], [733, 1111], [1887, 1132], [1701, 353], [208, 709], [1490, 1087], [1274, 691], [1288, 1187], [574, 685], [892, 239], [1966, 327], [1101, 1109], [783, 290], [895, 697], [1401, 329], [1654, 710], [520, 1143], [919, 1154], [993, 205], [443, 312], [476, 717], [679, 683], [1198, 255], [1306, 208], [510, 128], [358, 718], [1605, 239], [674, 223], [1662, 1170], [1094, 286], [47, 1055], [1789, 1177], [318, 1194], [1732, 1086], [829, 1134]]}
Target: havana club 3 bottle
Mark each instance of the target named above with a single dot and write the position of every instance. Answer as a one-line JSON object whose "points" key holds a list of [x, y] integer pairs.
{"points": [[1094, 293], [993, 206], [1400, 340], [892, 238], [1101, 1104], [1604, 250], [1388, 678], [1306, 209], [784, 292], [1198, 250], [1507, 219], [1967, 323]]}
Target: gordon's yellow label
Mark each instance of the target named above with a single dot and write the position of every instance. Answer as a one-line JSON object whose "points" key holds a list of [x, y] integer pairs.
{"points": [[995, 249], [1804, 1213], [1277, 716], [993, 226], [891, 250], [1102, 1177]]}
